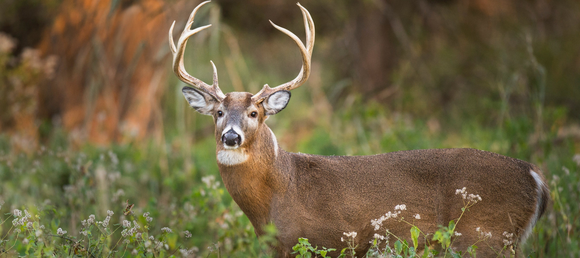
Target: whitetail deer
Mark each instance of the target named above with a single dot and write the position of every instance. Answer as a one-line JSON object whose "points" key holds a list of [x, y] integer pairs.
{"points": [[321, 197]]}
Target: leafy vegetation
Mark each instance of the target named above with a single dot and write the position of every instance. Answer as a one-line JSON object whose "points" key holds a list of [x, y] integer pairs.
{"points": [[162, 196], [61, 187]]}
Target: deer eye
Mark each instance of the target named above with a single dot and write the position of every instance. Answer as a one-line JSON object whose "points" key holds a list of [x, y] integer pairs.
{"points": [[220, 113], [254, 114]]}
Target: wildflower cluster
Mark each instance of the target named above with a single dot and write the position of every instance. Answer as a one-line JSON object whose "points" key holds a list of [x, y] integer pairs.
{"points": [[189, 252], [509, 238], [131, 231], [471, 198], [86, 224], [380, 237], [20, 219], [482, 234], [61, 232], [351, 235], [147, 217], [377, 223], [105, 223], [210, 182]]}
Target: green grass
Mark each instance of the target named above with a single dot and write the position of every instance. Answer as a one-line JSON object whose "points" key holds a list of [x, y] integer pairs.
{"points": [[61, 185]]}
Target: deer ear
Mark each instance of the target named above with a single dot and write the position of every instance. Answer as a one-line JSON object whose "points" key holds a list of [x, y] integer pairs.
{"points": [[199, 100], [276, 102]]}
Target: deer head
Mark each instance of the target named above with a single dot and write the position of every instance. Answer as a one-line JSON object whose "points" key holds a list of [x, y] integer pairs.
{"points": [[238, 115]]}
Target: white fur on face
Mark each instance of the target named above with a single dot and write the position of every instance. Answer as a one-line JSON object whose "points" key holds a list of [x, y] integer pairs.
{"points": [[232, 157]]}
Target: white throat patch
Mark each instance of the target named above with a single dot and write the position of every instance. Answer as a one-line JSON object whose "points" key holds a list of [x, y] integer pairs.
{"points": [[232, 157]]}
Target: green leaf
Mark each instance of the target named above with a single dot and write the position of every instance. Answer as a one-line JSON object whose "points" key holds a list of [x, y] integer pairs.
{"points": [[398, 247], [472, 250], [451, 225], [425, 252], [415, 236]]}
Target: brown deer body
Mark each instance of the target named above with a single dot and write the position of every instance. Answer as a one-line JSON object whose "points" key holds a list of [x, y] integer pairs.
{"points": [[322, 197]]}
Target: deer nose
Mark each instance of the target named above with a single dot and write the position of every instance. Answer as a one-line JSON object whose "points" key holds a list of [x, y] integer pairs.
{"points": [[231, 138]]}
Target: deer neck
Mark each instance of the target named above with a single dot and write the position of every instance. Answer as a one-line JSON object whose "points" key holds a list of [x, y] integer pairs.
{"points": [[253, 182]]}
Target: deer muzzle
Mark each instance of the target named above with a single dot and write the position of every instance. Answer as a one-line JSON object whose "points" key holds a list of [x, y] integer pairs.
{"points": [[231, 138]]}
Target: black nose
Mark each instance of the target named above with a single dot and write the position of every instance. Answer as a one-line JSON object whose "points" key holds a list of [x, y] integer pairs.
{"points": [[231, 138]]}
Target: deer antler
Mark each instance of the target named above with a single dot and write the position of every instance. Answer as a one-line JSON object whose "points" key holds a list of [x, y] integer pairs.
{"points": [[178, 52], [306, 52]]}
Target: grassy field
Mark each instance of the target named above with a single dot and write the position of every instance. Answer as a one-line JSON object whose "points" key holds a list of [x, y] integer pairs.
{"points": [[447, 77], [175, 184]]}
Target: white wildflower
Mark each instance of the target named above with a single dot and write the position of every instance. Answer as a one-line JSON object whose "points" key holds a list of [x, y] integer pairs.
{"points": [[17, 213], [576, 159], [350, 234], [381, 237], [456, 233], [474, 198], [401, 207], [187, 234], [126, 223], [60, 232], [166, 230], [110, 213], [208, 180], [508, 241], [417, 216], [91, 219]]}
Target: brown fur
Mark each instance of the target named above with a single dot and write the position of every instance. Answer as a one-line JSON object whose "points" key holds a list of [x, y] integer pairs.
{"points": [[321, 197]]}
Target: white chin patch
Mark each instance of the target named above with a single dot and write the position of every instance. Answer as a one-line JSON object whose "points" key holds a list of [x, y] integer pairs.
{"points": [[231, 157]]}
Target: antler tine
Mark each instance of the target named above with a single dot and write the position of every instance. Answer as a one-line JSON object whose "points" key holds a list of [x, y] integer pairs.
{"points": [[305, 51], [178, 53]]}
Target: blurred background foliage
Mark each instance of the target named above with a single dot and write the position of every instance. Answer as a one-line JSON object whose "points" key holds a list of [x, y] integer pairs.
{"points": [[83, 80]]}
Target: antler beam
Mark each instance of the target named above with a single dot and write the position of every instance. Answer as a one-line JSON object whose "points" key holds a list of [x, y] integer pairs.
{"points": [[305, 51], [179, 51]]}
